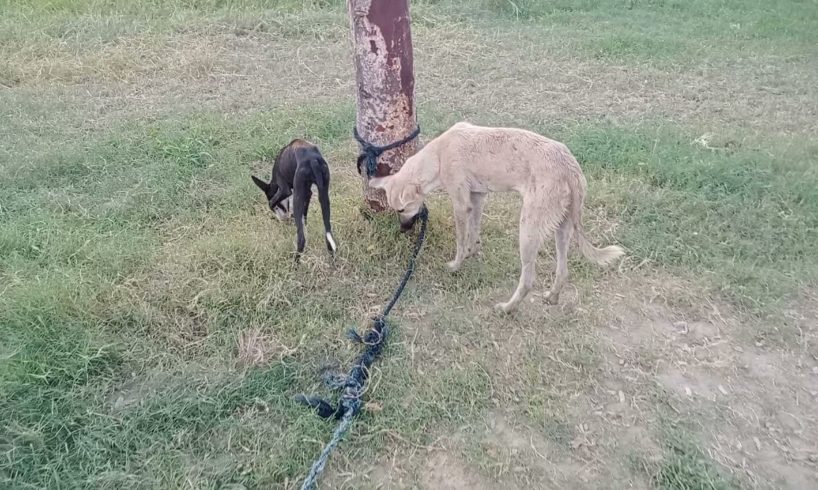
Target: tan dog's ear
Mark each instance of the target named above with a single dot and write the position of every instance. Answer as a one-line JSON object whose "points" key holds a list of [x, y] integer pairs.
{"points": [[378, 182], [409, 194]]}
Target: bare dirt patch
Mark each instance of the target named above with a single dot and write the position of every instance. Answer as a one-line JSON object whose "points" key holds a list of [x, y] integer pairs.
{"points": [[445, 471], [752, 402]]}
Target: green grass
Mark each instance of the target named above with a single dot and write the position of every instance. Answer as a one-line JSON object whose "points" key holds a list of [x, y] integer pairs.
{"points": [[135, 252], [60, 439], [656, 32], [685, 466], [742, 216]]}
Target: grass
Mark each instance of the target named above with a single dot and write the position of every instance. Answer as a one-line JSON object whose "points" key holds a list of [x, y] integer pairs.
{"points": [[686, 466], [153, 332], [706, 209]]}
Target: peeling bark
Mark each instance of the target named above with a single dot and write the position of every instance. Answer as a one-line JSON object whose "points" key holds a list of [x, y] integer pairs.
{"points": [[382, 46]]}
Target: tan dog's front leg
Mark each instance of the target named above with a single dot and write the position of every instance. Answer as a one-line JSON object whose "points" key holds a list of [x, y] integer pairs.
{"points": [[476, 215], [461, 203]]}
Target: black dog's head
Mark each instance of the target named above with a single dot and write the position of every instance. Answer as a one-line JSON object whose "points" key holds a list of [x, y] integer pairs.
{"points": [[282, 210], [269, 190]]}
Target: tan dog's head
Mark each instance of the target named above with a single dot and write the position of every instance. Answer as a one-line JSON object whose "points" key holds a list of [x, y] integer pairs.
{"points": [[404, 197]]}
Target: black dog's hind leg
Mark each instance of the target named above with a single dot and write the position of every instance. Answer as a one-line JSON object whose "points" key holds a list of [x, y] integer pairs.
{"points": [[323, 198], [301, 196], [320, 170], [307, 205]]}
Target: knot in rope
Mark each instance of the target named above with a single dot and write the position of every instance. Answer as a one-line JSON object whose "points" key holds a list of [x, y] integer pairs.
{"points": [[370, 153]]}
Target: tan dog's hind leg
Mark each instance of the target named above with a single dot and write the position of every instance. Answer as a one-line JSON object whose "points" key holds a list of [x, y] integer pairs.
{"points": [[533, 231], [563, 242], [462, 207]]}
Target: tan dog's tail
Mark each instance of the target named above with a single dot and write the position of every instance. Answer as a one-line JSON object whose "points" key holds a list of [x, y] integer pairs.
{"points": [[601, 256]]}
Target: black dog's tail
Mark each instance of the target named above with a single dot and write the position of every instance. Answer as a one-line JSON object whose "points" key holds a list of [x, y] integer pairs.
{"points": [[320, 171]]}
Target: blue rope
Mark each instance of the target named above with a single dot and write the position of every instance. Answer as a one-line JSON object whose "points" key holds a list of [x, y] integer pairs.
{"points": [[312, 479], [370, 152], [353, 383]]}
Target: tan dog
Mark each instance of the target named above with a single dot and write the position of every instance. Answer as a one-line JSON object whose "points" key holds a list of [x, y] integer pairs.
{"points": [[469, 162]]}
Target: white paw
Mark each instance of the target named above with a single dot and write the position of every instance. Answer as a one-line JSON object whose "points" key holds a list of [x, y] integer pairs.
{"points": [[452, 266], [503, 308]]}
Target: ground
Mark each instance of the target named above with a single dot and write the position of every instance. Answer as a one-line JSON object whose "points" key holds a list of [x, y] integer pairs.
{"points": [[153, 330]]}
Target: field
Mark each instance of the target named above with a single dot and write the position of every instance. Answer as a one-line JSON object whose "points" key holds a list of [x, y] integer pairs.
{"points": [[153, 331]]}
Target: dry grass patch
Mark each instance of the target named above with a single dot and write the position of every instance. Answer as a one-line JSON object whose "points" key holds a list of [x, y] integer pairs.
{"points": [[255, 348]]}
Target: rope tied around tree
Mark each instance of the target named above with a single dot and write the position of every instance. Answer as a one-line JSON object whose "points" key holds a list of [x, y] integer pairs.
{"points": [[353, 383], [370, 153]]}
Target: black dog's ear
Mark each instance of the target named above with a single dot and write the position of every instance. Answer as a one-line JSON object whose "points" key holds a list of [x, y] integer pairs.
{"points": [[264, 186], [361, 159]]}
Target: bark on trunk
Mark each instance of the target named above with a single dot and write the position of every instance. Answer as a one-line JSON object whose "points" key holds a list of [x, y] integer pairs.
{"points": [[382, 45]]}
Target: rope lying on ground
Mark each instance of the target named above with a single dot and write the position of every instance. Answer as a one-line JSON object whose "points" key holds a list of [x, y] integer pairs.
{"points": [[370, 152], [354, 382]]}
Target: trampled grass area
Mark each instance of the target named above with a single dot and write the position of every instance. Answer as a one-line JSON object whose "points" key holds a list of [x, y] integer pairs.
{"points": [[153, 330]]}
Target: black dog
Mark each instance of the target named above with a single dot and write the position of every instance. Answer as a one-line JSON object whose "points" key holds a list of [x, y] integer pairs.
{"points": [[297, 167]]}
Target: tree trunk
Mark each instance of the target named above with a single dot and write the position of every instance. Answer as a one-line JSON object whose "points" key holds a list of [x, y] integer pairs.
{"points": [[382, 45]]}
